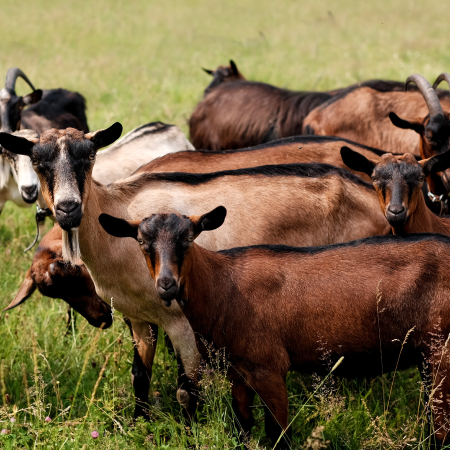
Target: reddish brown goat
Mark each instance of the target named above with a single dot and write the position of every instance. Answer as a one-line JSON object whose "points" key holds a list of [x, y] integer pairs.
{"points": [[57, 279], [223, 74], [364, 114], [270, 306], [297, 149], [398, 181]]}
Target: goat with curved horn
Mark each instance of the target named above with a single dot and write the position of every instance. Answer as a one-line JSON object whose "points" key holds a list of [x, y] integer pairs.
{"points": [[443, 76], [428, 93], [11, 78]]}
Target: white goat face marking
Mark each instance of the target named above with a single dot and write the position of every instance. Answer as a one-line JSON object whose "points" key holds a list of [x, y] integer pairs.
{"points": [[5, 96], [26, 178]]}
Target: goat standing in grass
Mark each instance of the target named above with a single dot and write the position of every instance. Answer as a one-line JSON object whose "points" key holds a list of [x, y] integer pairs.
{"points": [[269, 306], [285, 204]]}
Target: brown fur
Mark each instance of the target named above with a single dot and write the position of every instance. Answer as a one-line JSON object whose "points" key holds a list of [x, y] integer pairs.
{"points": [[284, 151], [223, 74], [363, 116], [57, 279], [279, 209], [272, 307], [245, 113], [398, 180]]}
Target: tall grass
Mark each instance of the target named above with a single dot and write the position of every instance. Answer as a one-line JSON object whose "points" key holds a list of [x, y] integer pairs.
{"points": [[140, 61]]}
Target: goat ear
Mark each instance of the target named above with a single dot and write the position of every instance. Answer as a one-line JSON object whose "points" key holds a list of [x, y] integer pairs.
{"points": [[437, 163], [118, 227], [26, 289], [234, 68], [209, 72], [103, 138], [34, 97], [209, 221], [356, 161], [16, 144], [415, 124]]}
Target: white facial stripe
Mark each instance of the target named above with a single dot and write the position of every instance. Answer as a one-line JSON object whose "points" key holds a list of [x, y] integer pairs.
{"points": [[5, 95], [66, 187], [24, 173]]}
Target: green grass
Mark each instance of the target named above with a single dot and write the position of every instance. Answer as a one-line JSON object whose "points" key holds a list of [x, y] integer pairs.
{"points": [[140, 61]]}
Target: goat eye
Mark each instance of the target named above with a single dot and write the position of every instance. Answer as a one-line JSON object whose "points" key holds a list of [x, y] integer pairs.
{"points": [[92, 156], [141, 241], [35, 162], [190, 238], [374, 179]]}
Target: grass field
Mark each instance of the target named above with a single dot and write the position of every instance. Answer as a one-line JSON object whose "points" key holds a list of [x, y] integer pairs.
{"points": [[140, 61]]}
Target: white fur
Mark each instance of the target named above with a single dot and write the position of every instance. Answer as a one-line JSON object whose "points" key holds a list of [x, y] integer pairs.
{"points": [[71, 247], [138, 147]]}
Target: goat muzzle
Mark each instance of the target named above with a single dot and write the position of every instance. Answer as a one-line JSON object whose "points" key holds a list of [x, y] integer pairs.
{"points": [[68, 214]]}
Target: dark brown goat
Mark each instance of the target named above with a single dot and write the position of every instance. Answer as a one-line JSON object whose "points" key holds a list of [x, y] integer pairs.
{"points": [[223, 74], [245, 113], [398, 181], [270, 306], [57, 279]]}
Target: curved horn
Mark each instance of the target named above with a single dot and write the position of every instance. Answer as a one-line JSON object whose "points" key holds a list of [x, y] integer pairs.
{"points": [[443, 76], [428, 93], [11, 78]]}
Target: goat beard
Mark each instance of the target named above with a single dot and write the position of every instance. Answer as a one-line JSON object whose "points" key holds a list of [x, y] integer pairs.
{"points": [[71, 247]]}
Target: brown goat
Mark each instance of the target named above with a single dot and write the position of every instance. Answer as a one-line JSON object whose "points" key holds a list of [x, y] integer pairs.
{"points": [[245, 113], [270, 306], [290, 204], [366, 114], [58, 279], [398, 181], [223, 74], [297, 149]]}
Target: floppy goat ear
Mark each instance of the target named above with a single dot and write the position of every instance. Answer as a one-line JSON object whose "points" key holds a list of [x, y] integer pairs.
{"points": [[16, 144], [26, 289], [356, 161], [209, 221], [209, 72], [437, 163], [118, 227], [103, 138], [413, 124]]}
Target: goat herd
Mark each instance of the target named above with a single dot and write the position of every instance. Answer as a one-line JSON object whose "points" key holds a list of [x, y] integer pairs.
{"points": [[270, 244]]}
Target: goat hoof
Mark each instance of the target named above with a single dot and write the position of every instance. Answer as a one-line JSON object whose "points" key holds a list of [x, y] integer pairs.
{"points": [[183, 398]]}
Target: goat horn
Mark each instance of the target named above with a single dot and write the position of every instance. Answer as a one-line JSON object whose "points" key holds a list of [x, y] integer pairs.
{"points": [[443, 76], [428, 93], [11, 78]]}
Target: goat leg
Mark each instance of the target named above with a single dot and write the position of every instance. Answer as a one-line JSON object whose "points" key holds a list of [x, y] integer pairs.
{"points": [[243, 397], [145, 337]]}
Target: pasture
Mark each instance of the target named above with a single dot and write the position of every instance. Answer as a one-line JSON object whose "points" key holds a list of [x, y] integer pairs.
{"points": [[137, 62]]}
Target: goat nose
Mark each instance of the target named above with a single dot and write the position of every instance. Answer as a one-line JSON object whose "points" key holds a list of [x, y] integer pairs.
{"points": [[396, 209], [67, 207], [29, 190], [166, 283]]}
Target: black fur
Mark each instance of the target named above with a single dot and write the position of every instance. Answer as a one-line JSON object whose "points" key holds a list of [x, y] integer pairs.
{"points": [[54, 104], [159, 127], [312, 170], [372, 240]]}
